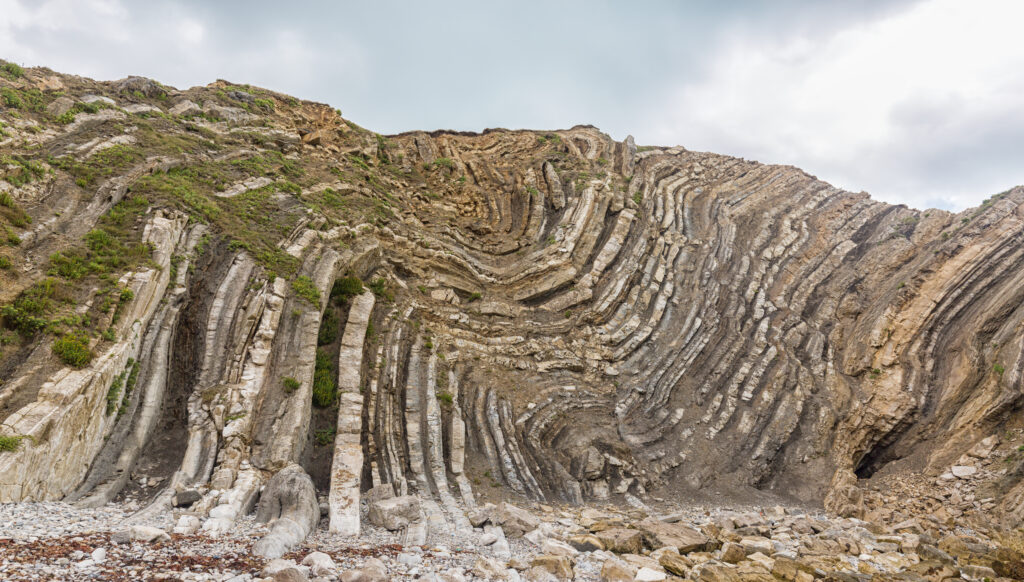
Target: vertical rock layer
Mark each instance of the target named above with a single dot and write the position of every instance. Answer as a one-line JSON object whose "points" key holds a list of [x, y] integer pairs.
{"points": [[557, 313]]}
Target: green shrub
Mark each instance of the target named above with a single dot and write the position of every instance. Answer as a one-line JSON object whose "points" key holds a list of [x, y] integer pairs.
{"points": [[114, 392], [290, 384], [11, 98], [474, 296], [328, 328], [5, 263], [73, 349], [345, 289], [998, 369], [304, 287], [445, 397], [379, 286], [324, 388], [9, 444], [11, 71], [26, 313], [325, 436]]}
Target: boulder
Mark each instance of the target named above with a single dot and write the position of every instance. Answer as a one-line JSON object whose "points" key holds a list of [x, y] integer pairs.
{"points": [[141, 533], [289, 505], [516, 521], [488, 569], [185, 498], [558, 548], [60, 106], [963, 471], [734, 553], [185, 108], [586, 543], [675, 564], [395, 513], [141, 86], [646, 574], [717, 572], [558, 566], [751, 545], [844, 498], [284, 571], [621, 540], [658, 534], [320, 564], [617, 571], [480, 515], [372, 570]]}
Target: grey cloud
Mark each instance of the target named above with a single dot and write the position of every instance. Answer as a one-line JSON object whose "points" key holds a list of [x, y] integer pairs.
{"points": [[467, 65]]}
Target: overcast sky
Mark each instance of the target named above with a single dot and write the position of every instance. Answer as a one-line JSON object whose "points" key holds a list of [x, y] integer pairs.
{"points": [[916, 102]]}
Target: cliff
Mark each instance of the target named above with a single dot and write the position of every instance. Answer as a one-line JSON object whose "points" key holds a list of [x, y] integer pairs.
{"points": [[203, 287]]}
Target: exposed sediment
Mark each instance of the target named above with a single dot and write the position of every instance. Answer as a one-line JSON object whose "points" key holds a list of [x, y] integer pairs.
{"points": [[562, 316]]}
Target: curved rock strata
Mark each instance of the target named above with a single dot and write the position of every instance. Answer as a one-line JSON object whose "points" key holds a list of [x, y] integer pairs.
{"points": [[553, 315]]}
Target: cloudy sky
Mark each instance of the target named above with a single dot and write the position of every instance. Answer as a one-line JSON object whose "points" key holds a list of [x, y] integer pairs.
{"points": [[917, 102]]}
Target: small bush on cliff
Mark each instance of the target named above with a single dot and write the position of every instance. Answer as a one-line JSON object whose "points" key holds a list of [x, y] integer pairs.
{"points": [[11, 71], [290, 384], [324, 388], [304, 287], [345, 289], [379, 286], [325, 436], [73, 349], [328, 328], [9, 444]]}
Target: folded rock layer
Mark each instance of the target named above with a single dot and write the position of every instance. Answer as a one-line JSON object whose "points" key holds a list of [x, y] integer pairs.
{"points": [[566, 316]]}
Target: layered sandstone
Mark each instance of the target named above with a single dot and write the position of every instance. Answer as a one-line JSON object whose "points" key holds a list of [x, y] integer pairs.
{"points": [[564, 315]]}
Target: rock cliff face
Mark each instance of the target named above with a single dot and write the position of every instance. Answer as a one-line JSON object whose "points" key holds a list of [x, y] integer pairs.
{"points": [[204, 287]]}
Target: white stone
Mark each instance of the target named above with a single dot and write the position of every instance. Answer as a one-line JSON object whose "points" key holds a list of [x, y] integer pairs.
{"points": [[646, 574], [963, 471]]}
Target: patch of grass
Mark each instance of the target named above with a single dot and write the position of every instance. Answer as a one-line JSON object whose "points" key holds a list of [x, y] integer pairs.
{"points": [[20, 171], [112, 161], [324, 436], [998, 369], [69, 115], [325, 390], [379, 286], [638, 197], [11, 71], [446, 397], [328, 328], [446, 163], [10, 444], [290, 384], [5, 263], [304, 287], [114, 392], [345, 288], [73, 349], [474, 296]]}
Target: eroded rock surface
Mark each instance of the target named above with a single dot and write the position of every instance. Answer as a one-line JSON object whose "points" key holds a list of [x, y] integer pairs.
{"points": [[256, 287]]}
